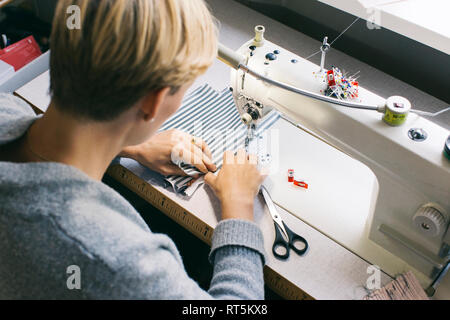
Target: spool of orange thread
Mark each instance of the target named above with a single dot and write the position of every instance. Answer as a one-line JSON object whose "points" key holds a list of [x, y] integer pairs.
{"points": [[291, 175]]}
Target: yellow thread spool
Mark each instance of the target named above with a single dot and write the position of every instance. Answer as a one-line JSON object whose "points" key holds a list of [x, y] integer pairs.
{"points": [[396, 111]]}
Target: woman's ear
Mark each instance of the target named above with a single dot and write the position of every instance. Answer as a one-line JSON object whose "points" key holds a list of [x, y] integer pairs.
{"points": [[151, 103]]}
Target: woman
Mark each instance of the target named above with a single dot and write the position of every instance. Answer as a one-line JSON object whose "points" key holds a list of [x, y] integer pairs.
{"points": [[113, 83]]}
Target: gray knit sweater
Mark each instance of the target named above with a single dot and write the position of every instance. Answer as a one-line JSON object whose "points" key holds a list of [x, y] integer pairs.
{"points": [[66, 236]]}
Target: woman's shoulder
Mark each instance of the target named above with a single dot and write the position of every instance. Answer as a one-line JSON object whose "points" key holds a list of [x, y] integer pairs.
{"points": [[52, 215], [15, 117], [14, 106], [61, 190], [62, 197]]}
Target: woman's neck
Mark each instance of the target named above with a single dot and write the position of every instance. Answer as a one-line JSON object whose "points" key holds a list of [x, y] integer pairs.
{"points": [[88, 146]]}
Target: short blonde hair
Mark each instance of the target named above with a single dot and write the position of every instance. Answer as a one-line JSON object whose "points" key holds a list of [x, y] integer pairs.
{"points": [[126, 49]]}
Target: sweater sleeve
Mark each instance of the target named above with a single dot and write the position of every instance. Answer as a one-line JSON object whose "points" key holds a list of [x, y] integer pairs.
{"points": [[237, 254], [155, 269]]}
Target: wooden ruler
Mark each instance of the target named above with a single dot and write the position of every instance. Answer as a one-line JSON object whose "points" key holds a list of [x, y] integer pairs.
{"points": [[199, 228]]}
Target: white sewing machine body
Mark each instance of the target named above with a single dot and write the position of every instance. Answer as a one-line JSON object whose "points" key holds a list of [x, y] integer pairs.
{"points": [[400, 175]]}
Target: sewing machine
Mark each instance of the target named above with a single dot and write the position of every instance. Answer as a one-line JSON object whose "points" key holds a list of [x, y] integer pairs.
{"points": [[402, 221]]}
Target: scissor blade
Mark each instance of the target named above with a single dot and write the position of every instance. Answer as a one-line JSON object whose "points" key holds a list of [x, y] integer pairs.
{"points": [[273, 211]]}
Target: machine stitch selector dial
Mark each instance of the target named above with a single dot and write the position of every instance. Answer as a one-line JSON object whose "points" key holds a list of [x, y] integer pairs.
{"points": [[430, 221]]}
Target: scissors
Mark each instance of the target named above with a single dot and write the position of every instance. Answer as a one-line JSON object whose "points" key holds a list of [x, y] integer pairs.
{"points": [[281, 246]]}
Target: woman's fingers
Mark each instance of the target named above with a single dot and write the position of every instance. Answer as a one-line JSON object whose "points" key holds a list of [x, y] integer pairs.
{"points": [[253, 159], [210, 180], [200, 143], [228, 157], [190, 151], [173, 170], [202, 152], [200, 155], [241, 156], [209, 164], [196, 158]]}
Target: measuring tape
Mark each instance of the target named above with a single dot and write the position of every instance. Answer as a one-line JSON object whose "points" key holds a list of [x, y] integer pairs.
{"points": [[197, 227]]}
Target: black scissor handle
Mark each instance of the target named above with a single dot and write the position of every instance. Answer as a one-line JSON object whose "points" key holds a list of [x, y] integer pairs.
{"points": [[294, 239], [280, 243]]}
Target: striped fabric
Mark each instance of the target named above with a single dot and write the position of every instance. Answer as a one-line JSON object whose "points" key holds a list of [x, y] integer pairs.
{"points": [[212, 116]]}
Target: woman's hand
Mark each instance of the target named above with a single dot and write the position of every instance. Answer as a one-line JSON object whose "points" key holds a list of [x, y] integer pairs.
{"points": [[157, 153], [237, 184]]}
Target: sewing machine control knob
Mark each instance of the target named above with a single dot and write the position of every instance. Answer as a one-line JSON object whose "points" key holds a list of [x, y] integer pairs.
{"points": [[447, 148], [271, 56], [417, 134], [430, 220]]}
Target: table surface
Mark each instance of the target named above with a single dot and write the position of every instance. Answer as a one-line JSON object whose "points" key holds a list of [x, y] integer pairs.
{"points": [[423, 21], [328, 271]]}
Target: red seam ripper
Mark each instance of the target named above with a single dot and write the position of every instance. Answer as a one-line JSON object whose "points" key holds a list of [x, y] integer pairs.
{"points": [[301, 184]]}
